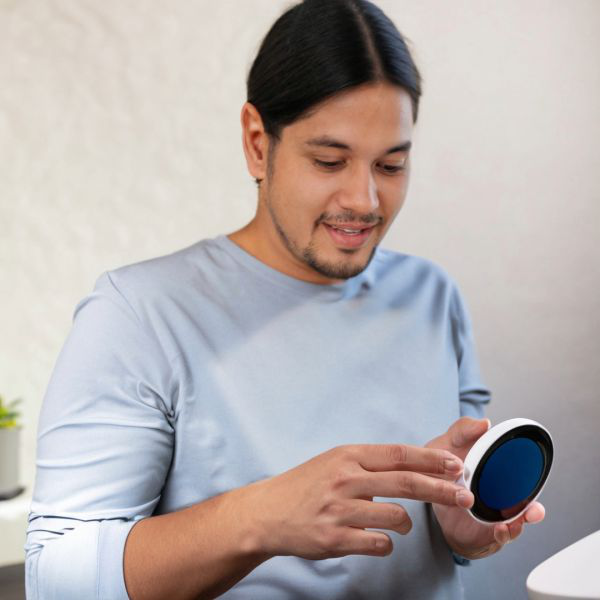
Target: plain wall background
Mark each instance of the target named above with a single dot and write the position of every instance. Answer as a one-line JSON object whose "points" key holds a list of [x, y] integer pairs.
{"points": [[120, 140]]}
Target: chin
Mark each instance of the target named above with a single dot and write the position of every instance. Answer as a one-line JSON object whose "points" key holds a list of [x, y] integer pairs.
{"points": [[340, 268]]}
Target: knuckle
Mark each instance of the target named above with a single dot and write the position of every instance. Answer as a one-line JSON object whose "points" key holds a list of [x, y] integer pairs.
{"points": [[441, 462], [398, 454], [335, 452], [346, 452], [330, 540], [407, 485], [444, 491], [342, 478], [321, 544], [335, 509]]}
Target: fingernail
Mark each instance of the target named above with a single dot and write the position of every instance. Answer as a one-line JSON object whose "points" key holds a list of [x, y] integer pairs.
{"points": [[452, 464], [462, 497], [381, 543]]}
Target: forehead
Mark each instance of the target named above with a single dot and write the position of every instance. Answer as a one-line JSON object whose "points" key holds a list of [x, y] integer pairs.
{"points": [[370, 117]]}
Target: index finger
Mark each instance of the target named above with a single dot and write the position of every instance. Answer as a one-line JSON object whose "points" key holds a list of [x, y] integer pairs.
{"points": [[404, 457]]}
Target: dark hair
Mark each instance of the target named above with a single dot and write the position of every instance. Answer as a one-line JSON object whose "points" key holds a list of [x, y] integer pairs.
{"points": [[318, 48]]}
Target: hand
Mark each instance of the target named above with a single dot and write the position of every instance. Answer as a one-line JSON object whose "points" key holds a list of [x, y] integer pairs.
{"points": [[465, 535], [321, 508]]}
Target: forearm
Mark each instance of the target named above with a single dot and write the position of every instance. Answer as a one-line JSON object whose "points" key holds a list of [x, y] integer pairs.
{"points": [[195, 553]]}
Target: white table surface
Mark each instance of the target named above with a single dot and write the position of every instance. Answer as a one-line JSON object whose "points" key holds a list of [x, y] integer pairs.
{"points": [[571, 574]]}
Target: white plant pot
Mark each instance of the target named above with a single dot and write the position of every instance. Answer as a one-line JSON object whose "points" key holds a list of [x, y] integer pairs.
{"points": [[9, 461]]}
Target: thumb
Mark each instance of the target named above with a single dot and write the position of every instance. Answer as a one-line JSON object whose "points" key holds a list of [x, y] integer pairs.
{"points": [[466, 431]]}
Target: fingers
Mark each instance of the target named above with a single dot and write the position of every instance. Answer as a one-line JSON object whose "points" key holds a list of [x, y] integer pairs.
{"points": [[505, 533], [375, 515], [535, 513], [466, 431], [407, 484], [403, 457], [351, 540], [461, 435], [465, 498], [353, 517]]}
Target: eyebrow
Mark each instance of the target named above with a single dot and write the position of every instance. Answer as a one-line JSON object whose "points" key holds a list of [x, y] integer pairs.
{"points": [[329, 142]]}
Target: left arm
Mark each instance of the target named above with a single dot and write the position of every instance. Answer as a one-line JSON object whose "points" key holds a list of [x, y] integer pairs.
{"points": [[466, 536]]}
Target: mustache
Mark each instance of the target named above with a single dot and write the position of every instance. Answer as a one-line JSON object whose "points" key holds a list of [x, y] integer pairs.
{"points": [[350, 217]]}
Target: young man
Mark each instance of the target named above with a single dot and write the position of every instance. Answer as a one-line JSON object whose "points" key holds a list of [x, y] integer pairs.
{"points": [[275, 413]]}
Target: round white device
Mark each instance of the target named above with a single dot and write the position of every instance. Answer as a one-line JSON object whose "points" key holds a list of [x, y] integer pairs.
{"points": [[506, 469]]}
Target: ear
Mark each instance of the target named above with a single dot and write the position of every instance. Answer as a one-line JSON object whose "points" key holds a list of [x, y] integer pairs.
{"points": [[255, 141]]}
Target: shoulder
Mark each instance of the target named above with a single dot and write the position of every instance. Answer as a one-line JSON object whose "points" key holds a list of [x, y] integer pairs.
{"points": [[402, 280], [154, 290], [391, 266], [150, 299], [166, 278]]}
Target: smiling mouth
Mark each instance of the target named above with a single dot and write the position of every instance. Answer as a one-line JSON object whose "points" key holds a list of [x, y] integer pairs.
{"points": [[349, 229], [348, 236]]}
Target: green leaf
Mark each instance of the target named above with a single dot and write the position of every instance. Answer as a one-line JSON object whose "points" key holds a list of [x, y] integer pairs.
{"points": [[9, 413]]}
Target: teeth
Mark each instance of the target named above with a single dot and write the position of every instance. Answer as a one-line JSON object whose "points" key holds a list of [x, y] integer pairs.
{"points": [[348, 230]]}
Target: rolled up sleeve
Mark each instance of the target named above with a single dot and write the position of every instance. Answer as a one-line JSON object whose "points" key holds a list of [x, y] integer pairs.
{"points": [[104, 447]]}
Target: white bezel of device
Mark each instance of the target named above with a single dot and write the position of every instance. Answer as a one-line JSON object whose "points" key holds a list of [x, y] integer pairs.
{"points": [[481, 446]]}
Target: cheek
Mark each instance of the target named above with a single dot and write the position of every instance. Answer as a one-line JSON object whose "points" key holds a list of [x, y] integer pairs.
{"points": [[393, 200], [297, 211], [299, 190], [309, 200], [395, 194]]}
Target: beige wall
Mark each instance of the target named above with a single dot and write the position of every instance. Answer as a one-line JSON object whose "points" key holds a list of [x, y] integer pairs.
{"points": [[120, 140]]}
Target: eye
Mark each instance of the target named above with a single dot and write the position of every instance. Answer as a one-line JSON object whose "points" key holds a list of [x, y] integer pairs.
{"points": [[388, 169], [328, 165], [391, 169]]}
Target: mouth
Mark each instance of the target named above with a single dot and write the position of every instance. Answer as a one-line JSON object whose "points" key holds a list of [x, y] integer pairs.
{"points": [[349, 235]]}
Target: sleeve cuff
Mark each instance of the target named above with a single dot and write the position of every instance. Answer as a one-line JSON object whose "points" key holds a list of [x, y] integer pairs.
{"points": [[461, 560]]}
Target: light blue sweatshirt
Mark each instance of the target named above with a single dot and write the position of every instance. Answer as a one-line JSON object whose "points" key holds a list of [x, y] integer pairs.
{"points": [[188, 375]]}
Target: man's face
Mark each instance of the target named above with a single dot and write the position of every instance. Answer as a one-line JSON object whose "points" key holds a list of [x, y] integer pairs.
{"points": [[336, 182]]}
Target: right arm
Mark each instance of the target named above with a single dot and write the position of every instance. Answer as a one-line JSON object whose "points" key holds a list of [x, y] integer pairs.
{"points": [[197, 552], [318, 510]]}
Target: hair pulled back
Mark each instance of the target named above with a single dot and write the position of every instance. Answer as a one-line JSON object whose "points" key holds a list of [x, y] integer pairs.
{"points": [[318, 48]]}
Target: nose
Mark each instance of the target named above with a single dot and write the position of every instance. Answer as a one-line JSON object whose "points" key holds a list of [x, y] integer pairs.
{"points": [[360, 193]]}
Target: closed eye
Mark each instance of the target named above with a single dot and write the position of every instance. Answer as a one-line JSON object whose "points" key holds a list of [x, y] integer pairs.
{"points": [[329, 165], [389, 169], [393, 169]]}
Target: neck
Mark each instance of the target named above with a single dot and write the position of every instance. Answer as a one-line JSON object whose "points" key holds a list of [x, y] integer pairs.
{"points": [[264, 244]]}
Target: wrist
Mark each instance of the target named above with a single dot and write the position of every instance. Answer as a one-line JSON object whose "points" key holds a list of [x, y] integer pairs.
{"points": [[242, 507], [461, 553], [461, 560]]}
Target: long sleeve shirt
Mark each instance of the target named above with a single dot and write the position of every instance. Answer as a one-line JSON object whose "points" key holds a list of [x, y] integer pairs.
{"points": [[191, 374]]}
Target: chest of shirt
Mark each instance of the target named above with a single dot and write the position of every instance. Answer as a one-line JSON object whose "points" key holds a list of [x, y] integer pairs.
{"points": [[267, 394]]}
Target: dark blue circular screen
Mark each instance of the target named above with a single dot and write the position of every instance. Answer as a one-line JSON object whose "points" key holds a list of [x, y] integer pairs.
{"points": [[511, 473]]}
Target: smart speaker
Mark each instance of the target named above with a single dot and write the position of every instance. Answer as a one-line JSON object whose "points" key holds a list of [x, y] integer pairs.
{"points": [[506, 469]]}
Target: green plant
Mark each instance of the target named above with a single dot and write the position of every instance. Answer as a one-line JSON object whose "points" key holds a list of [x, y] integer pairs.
{"points": [[9, 414]]}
